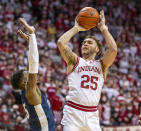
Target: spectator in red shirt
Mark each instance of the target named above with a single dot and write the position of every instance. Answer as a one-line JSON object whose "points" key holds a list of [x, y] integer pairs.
{"points": [[122, 113], [57, 104], [19, 126], [5, 118]]}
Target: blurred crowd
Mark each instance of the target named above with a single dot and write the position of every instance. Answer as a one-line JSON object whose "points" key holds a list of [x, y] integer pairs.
{"points": [[121, 94]]}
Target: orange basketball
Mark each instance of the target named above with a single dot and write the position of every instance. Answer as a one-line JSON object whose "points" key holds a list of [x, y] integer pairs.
{"points": [[88, 17]]}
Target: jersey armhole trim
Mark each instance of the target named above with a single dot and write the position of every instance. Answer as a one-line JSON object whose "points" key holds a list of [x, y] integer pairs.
{"points": [[102, 69], [74, 66], [37, 106]]}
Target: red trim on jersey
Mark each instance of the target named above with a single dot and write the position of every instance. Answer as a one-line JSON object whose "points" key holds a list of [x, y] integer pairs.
{"points": [[74, 66], [62, 127], [82, 107], [89, 107], [102, 69]]}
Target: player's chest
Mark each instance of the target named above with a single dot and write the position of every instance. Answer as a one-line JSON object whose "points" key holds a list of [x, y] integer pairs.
{"points": [[89, 68]]}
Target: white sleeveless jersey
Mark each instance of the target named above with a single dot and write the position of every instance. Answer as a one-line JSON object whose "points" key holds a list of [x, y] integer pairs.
{"points": [[85, 82]]}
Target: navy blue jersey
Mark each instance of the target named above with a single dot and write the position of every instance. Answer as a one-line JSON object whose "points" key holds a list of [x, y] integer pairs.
{"points": [[40, 117]]}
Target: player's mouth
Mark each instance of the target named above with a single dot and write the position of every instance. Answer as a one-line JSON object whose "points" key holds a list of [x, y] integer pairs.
{"points": [[85, 48]]}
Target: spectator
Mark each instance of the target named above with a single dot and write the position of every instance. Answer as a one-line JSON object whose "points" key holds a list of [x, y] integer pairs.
{"points": [[19, 126], [5, 118]]}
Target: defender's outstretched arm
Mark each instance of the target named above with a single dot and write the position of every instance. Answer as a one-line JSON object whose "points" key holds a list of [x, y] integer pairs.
{"points": [[33, 60]]}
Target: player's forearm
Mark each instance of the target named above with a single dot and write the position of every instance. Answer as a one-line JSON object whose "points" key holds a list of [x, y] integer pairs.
{"points": [[33, 60], [65, 38], [109, 40], [33, 56]]}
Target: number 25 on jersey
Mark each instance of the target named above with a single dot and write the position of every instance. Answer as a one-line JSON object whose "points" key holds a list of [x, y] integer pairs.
{"points": [[85, 82]]}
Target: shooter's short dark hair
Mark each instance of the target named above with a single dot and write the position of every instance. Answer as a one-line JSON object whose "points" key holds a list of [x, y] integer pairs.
{"points": [[16, 79]]}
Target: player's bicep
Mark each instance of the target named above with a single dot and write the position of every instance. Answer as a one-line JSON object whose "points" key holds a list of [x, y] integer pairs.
{"points": [[67, 54], [108, 58], [31, 85], [31, 91]]}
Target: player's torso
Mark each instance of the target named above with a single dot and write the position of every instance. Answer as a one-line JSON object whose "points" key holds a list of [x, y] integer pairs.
{"points": [[86, 82], [40, 116]]}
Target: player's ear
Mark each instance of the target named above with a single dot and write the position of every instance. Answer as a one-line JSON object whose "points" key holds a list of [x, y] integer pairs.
{"points": [[97, 49]]}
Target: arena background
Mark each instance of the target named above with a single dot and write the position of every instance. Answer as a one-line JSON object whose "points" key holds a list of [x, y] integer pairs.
{"points": [[121, 96]]}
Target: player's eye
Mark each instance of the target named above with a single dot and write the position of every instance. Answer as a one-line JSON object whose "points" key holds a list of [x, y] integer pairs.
{"points": [[90, 42], [83, 42]]}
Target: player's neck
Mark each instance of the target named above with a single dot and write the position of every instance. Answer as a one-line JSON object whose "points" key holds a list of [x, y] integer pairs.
{"points": [[90, 57]]}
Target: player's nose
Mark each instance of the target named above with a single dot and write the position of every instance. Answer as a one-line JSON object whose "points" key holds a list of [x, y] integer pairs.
{"points": [[86, 44]]}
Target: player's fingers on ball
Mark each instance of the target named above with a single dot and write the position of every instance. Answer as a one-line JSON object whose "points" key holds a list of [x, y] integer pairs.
{"points": [[102, 13], [100, 18], [98, 24]]}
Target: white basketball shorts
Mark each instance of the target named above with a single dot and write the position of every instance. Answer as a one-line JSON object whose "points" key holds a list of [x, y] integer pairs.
{"points": [[78, 120]]}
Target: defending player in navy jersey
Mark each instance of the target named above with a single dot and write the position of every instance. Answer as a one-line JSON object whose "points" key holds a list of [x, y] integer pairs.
{"points": [[34, 101]]}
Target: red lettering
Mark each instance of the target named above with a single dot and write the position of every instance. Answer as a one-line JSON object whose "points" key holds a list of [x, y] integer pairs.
{"points": [[86, 79], [82, 68], [86, 68], [79, 69], [89, 68], [97, 70]]}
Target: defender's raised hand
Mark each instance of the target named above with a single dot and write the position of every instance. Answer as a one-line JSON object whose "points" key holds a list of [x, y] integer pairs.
{"points": [[23, 35], [29, 28]]}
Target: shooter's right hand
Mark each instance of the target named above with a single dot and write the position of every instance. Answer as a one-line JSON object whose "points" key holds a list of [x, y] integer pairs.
{"points": [[79, 28]]}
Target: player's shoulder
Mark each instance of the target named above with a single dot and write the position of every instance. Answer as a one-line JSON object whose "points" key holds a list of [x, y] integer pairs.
{"points": [[98, 62]]}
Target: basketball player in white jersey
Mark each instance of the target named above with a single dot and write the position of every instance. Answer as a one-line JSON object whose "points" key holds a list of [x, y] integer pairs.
{"points": [[85, 78], [140, 117]]}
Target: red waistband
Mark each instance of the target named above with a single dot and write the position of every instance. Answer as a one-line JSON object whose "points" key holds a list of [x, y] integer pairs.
{"points": [[82, 107]]}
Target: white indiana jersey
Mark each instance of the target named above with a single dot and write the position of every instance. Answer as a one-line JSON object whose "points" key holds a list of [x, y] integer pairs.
{"points": [[85, 82]]}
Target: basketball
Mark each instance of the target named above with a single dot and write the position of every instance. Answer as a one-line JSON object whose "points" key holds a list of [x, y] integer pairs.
{"points": [[88, 17]]}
